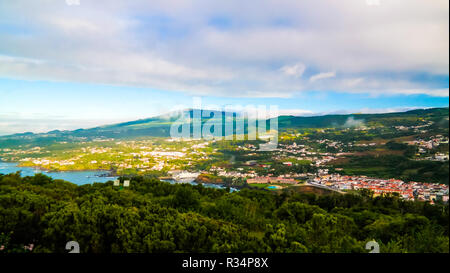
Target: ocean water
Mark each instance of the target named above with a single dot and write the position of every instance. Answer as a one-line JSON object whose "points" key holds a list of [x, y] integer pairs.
{"points": [[81, 177], [76, 177]]}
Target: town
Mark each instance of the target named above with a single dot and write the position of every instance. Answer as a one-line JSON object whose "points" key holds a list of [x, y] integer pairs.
{"points": [[329, 158], [409, 191]]}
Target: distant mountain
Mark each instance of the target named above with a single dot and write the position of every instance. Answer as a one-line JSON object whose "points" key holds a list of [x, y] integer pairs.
{"points": [[385, 119], [159, 126]]}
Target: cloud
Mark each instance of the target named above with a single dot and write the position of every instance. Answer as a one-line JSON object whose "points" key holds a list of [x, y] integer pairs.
{"points": [[172, 45], [294, 112], [365, 111], [351, 122], [443, 92], [296, 70], [321, 76], [13, 123], [383, 110]]}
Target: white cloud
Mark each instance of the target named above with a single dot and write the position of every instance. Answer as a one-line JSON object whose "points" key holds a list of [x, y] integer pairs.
{"points": [[294, 112], [296, 70], [13, 123], [443, 92], [321, 76], [172, 45]]}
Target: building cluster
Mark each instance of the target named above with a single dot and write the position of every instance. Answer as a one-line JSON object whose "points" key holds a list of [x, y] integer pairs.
{"points": [[46, 162], [415, 128], [294, 149], [96, 150], [407, 190], [239, 172], [428, 144], [18, 154], [301, 152], [126, 155]]}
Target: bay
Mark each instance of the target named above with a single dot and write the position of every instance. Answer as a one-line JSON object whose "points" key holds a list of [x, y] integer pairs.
{"points": [[82, 177], [76, 177]]}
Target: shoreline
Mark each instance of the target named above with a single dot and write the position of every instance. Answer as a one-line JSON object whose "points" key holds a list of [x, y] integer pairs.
{"points": [[113, 174], [107, 173]]}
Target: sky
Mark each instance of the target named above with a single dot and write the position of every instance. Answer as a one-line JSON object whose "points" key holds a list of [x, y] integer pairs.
{"points": [[68, 64]]}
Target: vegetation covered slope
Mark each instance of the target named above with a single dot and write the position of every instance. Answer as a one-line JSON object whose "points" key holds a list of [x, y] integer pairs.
{"points": [[160, 126], [42, 214], [408, 118]]}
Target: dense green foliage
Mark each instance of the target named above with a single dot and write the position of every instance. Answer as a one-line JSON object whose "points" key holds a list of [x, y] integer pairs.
{"points": [[397, 166], [154, 216]]}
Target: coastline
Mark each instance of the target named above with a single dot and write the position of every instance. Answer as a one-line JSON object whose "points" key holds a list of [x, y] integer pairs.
{"points": [[112, 174], [106, 173]]}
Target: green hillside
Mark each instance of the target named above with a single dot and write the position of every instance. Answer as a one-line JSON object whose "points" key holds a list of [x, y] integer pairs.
{"points": [[413, 117], [160, 126]]}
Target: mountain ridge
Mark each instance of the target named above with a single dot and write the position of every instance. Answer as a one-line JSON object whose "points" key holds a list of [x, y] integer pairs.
{"points": [[159, 126]]}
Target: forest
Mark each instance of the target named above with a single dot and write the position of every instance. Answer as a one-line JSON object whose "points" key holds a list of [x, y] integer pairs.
{"points": [[40, 215]]}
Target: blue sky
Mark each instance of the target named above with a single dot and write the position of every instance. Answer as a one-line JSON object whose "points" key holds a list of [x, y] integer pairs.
{"points": [[70, 66]]}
